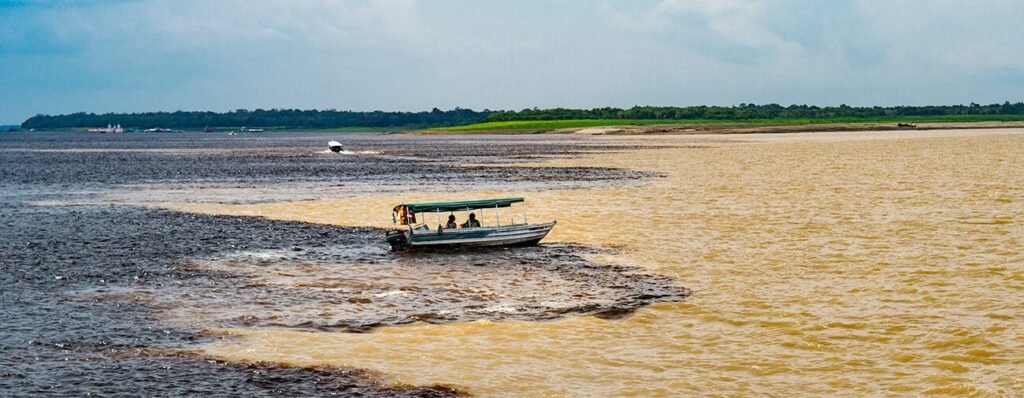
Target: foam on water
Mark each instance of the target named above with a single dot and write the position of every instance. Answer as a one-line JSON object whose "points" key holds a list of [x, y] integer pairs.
{"points": [[357, 288], [348, 152]]}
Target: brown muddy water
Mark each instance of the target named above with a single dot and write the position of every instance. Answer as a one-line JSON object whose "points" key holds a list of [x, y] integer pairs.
{"points": [[836, 264]]}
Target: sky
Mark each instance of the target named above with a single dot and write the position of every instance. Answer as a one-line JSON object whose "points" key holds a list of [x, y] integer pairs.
{"points": [[130, 56]]}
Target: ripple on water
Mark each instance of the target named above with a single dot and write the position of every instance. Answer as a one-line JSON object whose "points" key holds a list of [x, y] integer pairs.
{"points": [[356, 288]]}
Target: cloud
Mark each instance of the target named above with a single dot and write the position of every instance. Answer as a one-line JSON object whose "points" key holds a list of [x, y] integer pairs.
{"points": [[863, 51], [738, 21], [65, 56], [167, 49]]}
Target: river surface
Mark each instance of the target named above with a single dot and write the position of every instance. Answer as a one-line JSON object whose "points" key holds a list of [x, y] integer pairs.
{"points": [[111, 291], [839, 264]]}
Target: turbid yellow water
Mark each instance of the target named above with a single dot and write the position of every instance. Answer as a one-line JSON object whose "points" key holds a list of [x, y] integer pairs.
{"points": [[821, 265]]}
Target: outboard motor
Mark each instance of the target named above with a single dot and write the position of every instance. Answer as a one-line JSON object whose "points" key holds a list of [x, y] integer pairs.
{"points": [[335, 146], [397, 240]]}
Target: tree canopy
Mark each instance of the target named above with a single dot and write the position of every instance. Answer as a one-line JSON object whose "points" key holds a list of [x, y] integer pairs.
{"points": [[751, 111], [318, 119], [272, 118]]}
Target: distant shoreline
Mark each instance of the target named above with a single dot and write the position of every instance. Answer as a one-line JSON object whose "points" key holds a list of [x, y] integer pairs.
{"points": [[733, 128], [596, 127], [265, 130], [535, 119]]}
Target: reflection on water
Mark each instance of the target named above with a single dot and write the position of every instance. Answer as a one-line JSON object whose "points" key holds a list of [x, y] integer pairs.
{"points": [[878, 264]]}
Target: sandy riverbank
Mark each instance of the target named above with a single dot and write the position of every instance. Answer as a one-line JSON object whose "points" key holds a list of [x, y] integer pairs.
{"points": [[683, 129]]}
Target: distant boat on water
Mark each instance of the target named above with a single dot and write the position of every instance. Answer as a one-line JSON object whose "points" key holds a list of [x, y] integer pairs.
{"points": [[334, 146], [248, 130], [110, 129]]}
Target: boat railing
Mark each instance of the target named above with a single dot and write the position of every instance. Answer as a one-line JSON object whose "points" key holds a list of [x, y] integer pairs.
{"points": [[419, 230], [402, 215]]}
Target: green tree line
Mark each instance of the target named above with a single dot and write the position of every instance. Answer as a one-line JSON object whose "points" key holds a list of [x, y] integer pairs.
{"points": [[317, 119], [273, 118], [751, 111]]}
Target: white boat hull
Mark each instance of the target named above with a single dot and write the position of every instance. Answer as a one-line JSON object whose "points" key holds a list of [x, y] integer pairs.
{"points": [[522, 234]]}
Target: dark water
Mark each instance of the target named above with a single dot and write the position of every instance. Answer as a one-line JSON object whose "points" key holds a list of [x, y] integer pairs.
{"points": [[102, 299]]}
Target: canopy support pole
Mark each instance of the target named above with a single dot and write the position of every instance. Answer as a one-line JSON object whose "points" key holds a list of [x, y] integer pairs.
{"points": [[497, 215]]}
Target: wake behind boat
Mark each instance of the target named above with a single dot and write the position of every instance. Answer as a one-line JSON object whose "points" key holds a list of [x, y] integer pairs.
{"points": [[412, 229]]}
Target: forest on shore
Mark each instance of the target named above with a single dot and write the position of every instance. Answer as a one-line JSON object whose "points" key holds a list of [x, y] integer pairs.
{"points": [[436, 118], [755, 112], [272, 119]]}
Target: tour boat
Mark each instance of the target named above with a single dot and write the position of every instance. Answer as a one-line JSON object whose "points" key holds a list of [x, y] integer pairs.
{"points": [[494, 227]]}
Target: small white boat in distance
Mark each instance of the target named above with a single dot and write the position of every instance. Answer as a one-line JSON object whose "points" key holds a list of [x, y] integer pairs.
{"points": [[334, 146], [111, 129], [412, 229]]}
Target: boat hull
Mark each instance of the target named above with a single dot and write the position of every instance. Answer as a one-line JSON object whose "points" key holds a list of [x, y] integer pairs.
{"points": [[514, 235]]}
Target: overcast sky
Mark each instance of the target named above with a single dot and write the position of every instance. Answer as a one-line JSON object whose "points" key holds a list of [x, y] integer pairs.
{"points": [[102, 56]]}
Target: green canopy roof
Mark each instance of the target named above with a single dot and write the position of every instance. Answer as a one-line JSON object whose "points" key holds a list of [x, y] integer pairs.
{"points": [[462, 205]]}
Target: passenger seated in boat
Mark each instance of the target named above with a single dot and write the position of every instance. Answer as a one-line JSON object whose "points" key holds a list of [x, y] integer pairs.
{"points": [[451, 222], [472, 222]]}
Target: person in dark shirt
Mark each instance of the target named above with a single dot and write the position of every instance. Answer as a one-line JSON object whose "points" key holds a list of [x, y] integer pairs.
{"points": [[472, 222], [451, 222]]}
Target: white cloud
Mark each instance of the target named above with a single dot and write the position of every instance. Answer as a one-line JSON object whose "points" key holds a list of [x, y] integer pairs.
{"points": [[737, 20], [408, 54]]}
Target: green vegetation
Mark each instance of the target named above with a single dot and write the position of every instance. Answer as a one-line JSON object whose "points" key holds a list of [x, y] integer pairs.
{"points": [[531, 119], [360, 129], [749, 112], [557, 124], [562, 124], [277, 119]]}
